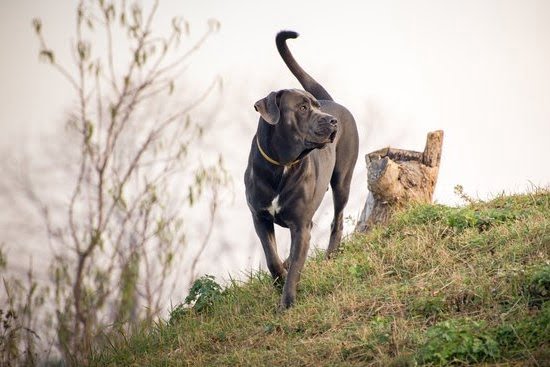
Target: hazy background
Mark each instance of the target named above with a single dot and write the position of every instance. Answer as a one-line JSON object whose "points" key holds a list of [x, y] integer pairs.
{"points": [[479, 70]]}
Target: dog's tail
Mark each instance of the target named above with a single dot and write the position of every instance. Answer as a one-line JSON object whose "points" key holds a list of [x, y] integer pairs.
{"points": [[309, 84]]}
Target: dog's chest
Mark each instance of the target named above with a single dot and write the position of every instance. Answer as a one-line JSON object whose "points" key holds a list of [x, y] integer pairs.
{"points": [[279, 210], [282, 199], [275, 207]]}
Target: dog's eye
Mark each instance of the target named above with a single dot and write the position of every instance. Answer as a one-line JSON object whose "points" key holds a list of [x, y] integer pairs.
{"points": [[303, 108]]}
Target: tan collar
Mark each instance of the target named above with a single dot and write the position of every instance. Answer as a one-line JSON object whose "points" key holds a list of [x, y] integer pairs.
{"points": [[271, 160]]}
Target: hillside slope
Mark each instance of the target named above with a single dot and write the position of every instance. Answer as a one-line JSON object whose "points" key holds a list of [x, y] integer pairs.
{"points": [[438, 286]]}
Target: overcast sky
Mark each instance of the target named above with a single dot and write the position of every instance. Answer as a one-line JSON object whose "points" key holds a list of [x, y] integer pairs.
{"points": [[479, 70]]}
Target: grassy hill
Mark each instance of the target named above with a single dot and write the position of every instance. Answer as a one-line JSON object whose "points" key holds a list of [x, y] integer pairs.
{"points": [[438, 286]]}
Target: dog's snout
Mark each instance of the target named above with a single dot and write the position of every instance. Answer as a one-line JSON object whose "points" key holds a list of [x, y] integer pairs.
{"points": [[330, 120]]}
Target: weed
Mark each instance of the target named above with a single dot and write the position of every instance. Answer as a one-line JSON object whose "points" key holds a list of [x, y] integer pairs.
{"points": [[430, 306], [360, 271], [459, 341], [528, 333], [202, 296], [537, 287], [457, 218]]}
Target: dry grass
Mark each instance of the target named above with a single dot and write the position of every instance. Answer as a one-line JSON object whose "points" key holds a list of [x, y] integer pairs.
{"points": [[438, 286]]}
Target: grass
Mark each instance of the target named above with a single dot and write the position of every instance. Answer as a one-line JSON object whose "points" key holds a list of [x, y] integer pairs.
{"points": [[438, 286]]}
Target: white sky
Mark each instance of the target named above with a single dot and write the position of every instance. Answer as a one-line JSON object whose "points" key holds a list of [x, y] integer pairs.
{"points": [[479, 70]]}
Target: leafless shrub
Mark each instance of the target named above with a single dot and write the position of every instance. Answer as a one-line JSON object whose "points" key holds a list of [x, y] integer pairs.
{"points": [[134, 174]]}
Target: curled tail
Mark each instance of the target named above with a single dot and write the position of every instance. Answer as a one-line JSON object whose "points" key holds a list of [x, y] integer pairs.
{"points": [[309, 84]]}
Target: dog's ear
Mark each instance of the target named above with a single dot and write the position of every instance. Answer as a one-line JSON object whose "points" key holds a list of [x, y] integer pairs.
{"points": [[268, 108]]}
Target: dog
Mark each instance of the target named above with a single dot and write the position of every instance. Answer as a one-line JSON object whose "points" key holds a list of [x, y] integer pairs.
{"points": [[304, 142]]}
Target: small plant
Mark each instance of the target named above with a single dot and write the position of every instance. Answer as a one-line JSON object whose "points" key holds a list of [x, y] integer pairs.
{"points": [[457, 218], [204, 293], [428, 306], [537, 288], [19, 303], [424, 214], [380, 327], [177, 313], [459, 191], [360, 271], [531, 332], [9, 336], [480, 219], [459, 341]]}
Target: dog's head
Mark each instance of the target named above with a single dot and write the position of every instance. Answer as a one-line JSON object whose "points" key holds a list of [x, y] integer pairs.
{"points": [[297, 116]]}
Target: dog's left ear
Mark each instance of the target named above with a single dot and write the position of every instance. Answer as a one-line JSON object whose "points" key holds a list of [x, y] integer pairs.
{"points": [[268, 108]]}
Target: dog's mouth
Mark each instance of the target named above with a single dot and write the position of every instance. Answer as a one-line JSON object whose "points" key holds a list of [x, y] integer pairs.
{"points": [[310, 145], [332, 136], [325, 134]]}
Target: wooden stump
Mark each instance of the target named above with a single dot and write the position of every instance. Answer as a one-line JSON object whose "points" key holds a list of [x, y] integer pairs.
{"points": [[396, 177]]}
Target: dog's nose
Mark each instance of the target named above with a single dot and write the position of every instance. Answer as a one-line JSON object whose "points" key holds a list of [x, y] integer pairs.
{"points": [[333, 122]]}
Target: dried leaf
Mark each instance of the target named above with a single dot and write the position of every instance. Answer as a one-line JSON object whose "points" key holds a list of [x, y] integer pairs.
{"points": [[37, 24], [47, 55], [171, 87], [214, 25]]}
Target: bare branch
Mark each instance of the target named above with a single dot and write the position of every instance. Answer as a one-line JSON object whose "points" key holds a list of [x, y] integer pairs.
{"points": [[183, 58], [189, 108], [45, 50]]}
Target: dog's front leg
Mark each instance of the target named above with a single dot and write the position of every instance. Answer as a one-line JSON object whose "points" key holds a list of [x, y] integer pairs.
{"points": [[300, 236], [266, 233]]}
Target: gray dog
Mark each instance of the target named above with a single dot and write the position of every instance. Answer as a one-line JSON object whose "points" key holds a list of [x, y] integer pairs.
{"points": [[304, 142]]}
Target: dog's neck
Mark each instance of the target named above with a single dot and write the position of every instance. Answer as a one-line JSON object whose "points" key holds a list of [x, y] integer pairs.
{"points": [[275, 148], [271, 160]]}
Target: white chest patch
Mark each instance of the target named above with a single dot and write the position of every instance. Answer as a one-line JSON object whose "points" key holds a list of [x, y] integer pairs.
{"points": [[274, 208]]}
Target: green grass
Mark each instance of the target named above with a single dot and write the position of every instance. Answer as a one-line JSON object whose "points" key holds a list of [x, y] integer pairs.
{"points": [[438, 286]]}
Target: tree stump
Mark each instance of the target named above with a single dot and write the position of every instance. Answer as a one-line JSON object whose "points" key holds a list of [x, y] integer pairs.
{"points": [[396, 177]]}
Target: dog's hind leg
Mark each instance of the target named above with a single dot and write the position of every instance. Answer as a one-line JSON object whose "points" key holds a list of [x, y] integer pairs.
{"points": [[340, 194], [340, 181], [266, 233]]}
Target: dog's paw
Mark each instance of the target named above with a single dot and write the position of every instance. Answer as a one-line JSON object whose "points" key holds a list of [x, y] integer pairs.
{"points": [[283, 308], [287, 301], [331, 254]]}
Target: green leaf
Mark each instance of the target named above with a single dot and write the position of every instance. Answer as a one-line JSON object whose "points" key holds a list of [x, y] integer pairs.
{"points": [[204, 293]]}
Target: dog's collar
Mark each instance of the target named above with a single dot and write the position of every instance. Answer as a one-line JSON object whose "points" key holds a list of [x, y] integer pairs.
{"points": [[271, 160]]}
